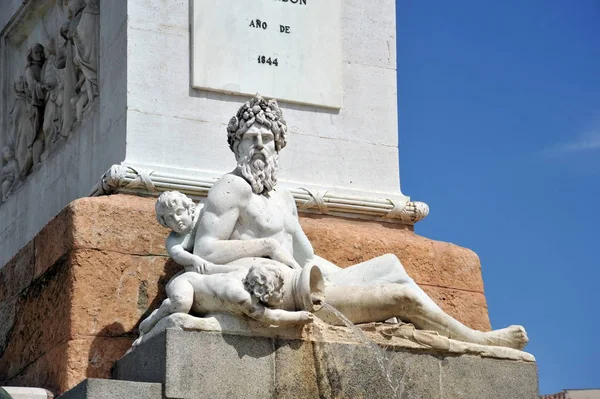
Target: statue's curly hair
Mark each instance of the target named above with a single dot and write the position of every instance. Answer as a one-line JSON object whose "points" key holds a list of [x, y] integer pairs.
{"points": [[170, 200], [257, 110], [265, 283]]}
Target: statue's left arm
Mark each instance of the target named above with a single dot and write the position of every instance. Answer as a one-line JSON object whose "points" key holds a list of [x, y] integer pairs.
{"points": [[304, 252], [303, 249]]}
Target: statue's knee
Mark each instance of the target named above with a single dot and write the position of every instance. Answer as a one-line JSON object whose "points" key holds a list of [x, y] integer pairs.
{"points": [[404, 295], [390, 258], [391, 265], [180, 303], [398, 293]]}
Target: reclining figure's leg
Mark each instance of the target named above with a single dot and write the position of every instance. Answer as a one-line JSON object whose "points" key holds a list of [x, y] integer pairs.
{"points": [[362, 302], [180, 297]]}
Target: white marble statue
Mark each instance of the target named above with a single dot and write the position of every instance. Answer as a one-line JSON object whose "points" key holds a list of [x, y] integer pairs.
{"points": [[204, 288], [257, 293], [248, 218], [177, 212]]}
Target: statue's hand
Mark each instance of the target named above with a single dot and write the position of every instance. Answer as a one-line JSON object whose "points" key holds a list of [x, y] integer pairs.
{"points": [[281, 255], [197, 266], [305, 317]]}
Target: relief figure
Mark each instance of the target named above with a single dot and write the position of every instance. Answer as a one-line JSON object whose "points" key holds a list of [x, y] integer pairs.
{"points": [[22, 132], [54, 95], [85, 57], [37, 101], [9, 174], [78, 56], [64, 61]]}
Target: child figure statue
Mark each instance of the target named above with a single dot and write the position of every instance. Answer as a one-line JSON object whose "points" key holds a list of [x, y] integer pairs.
{"points": [[177, 212], [205, 288]]}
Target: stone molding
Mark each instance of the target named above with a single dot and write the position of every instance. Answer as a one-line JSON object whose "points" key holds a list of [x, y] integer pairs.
{"points": [[131, 179]]}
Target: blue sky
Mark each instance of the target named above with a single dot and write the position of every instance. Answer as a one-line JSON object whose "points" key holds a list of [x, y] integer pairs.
{"points": [[499, 131]]}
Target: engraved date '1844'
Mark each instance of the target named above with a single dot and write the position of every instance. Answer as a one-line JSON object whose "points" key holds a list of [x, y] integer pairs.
{"points": [[264, 60]]}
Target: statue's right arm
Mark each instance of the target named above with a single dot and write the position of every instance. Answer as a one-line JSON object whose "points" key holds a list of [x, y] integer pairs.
{"points": [[221, 212], [280, 316], [179, 254], [256, 310]]}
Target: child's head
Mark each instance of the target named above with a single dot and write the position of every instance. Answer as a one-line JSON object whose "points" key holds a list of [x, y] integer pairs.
{"points": [[265, 283], [175, 211]]}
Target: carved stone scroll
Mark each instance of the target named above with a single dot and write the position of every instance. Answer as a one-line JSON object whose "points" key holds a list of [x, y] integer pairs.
{"points": [[133, 179]]}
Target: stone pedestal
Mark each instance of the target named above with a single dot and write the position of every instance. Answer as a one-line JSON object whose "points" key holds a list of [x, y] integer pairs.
{"points": [[94, 388], [212, 365], [71, 299]]}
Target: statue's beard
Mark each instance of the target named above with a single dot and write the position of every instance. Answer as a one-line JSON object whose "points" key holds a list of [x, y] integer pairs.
{"points": [[260, 170]]}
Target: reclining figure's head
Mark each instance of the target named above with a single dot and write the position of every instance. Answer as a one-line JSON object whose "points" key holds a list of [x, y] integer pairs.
{"points": [[256, 135]]}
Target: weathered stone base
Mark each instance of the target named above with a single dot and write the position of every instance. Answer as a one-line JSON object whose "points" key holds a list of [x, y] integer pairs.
{"points": [[393, 336], [71, 299], [94, 388], [213, 365]]}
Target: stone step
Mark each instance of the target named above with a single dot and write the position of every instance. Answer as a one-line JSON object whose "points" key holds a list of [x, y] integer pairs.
{"points": [[95, 388]]}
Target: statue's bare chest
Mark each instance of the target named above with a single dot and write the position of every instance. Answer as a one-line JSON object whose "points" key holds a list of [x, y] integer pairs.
{"points": [[265, 216]]}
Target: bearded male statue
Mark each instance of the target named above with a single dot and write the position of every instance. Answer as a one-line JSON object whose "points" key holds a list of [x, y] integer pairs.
{"points": [[248, 217]]}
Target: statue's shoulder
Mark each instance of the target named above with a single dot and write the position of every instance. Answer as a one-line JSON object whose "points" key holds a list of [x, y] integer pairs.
{"points": [[229, 190], [288, 198], [174, 238], [232, 183], [284, 193]]}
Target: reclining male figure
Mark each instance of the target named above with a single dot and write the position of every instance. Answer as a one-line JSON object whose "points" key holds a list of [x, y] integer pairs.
{"points": [[247, 215]]}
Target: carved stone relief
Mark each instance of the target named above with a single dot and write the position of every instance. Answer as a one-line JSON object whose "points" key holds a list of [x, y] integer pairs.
{"points": [[58, 85]]}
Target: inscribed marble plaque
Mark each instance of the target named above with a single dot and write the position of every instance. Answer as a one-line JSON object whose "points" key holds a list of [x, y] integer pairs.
{"points": [[286, 49]]}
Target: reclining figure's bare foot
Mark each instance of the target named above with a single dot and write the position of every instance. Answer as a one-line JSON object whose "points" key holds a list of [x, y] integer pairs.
{"points": [[512, 337]]}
